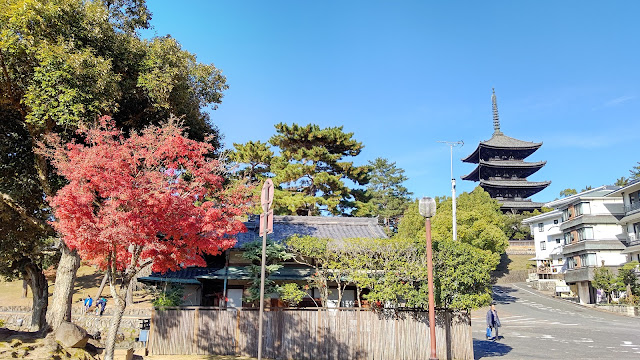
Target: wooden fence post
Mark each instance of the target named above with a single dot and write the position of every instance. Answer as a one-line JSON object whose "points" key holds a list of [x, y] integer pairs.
{"points": [[195, 330], [237, 335]]}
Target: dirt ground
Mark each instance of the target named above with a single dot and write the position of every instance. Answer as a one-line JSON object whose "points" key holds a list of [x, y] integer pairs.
{"points": [[87, 283]]}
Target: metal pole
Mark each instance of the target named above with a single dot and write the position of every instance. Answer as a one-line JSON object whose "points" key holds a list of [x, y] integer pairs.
{"points": [[453, 199], [262, 266], [454, 221], [432, 310]]}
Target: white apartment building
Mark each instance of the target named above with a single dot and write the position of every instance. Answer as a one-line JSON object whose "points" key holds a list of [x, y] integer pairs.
{"points": [[591, 237], [548, 241], [630, 195]]}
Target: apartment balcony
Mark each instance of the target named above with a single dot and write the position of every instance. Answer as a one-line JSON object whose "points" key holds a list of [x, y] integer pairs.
{"points": [[585, 273], [631, 208]]}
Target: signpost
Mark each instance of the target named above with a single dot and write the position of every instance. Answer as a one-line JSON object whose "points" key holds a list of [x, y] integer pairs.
{"points": [[266, 227]]}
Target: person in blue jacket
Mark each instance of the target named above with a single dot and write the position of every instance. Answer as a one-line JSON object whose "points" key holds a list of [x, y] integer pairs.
{"points": [[493, 322]]}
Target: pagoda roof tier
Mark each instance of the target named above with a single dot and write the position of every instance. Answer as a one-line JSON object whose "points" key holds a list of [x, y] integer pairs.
{"points": [[500, 141], [530, 167], [524, 205], [514, 183]]}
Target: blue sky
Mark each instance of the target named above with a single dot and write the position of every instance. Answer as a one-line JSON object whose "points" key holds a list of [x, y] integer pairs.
{"points": [[403, 75]]}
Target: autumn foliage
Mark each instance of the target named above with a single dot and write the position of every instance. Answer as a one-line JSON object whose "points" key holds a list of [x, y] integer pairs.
{"points": [[149, 197]]}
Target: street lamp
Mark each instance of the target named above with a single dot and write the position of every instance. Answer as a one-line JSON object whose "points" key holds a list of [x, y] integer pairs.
{"points": [[453, 144], [427, 207]]}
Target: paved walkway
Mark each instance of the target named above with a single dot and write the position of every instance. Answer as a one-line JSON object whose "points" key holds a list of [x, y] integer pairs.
{"points": [[536, 326]]}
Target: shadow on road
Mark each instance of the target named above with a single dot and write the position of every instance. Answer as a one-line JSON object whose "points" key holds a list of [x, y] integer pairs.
{"points": [[502, 294], [487, 348]]}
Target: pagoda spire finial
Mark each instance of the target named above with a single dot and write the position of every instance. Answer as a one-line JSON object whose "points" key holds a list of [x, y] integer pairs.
{"points": [[496, 118]]}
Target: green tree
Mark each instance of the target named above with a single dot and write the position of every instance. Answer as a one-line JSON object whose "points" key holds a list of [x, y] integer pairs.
{"points": [[604, 280], [313, 252], [64, 62], [411, 224], [291, 294], [311, 170], [568, 192], [479, 219], [635, 172], [395, 271], [627, 280], [586, 188], [513, 227], [254, 159], [389, 197], [623, 181], [275, 253]]}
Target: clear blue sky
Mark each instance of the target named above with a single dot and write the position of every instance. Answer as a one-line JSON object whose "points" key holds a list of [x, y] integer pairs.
{"points": [[403, 75]]}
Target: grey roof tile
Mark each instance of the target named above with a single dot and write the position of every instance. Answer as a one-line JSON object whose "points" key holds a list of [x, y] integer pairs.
{"points": [[334, 228]]}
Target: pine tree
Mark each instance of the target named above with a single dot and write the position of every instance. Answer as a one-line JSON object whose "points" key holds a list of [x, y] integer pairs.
{"points": [[389, 197], [310, 172], [254, 158], [635, 172]]}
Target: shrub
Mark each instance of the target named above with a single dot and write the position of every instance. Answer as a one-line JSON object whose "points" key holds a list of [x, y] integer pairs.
{"points": [[169, 297], [291, 294]]}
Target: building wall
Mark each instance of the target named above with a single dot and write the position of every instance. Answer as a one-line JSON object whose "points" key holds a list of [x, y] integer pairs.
{"points": [[583, 292], [611, 258], [607, 231], [608, 206]]}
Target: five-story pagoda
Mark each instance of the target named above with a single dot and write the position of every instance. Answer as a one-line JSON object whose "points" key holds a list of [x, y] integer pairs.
{"points": [[502, 171]]}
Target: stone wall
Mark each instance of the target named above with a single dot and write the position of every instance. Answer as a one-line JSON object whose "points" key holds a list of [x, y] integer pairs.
{"points": [[19, 318], [621, 309]]}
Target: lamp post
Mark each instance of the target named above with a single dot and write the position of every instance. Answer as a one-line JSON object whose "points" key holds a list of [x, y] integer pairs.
{"points": [[427, 207], [453, 144]]}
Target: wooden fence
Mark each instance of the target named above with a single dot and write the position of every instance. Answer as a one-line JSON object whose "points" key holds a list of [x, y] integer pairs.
{"points": [[313, 333]]}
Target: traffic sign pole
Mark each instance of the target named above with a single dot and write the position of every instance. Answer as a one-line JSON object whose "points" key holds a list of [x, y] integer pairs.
{"points": [[266, 200]]}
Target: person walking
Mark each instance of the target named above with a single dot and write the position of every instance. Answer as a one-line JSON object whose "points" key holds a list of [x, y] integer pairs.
{"points": [[87, 304], [493, 323]]}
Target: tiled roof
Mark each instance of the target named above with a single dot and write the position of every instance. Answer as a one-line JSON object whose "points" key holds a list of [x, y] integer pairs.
{"points": [[184, 276], [512, 163], [241, 273], [335, 228], [515, 183], [503, 141], [520, 204]]}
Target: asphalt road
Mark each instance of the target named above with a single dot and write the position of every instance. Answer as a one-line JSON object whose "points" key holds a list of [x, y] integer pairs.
{"points": [[536, 326]]}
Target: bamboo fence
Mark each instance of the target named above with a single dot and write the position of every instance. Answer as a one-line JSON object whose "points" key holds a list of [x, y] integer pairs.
{"points": [[310, 333]]}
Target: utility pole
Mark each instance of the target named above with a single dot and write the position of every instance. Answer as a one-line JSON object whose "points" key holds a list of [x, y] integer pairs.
{"points": [[453, 144]]}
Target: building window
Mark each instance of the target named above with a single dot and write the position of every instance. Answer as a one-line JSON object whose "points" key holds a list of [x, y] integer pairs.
{"points": [[557, 241], [588, 259], [585, 234], [540, 227], [543, 245], [582, 208], [568, 238]]}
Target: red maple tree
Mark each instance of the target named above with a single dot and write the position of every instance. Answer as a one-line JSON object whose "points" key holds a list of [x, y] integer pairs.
{"points": [[154, 197]]}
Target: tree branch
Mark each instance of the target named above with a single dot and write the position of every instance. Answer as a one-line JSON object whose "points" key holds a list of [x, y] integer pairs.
{"points": [[9, 201]]}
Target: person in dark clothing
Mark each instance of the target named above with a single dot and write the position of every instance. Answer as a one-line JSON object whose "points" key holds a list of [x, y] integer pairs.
{"points": [[493, 322]]}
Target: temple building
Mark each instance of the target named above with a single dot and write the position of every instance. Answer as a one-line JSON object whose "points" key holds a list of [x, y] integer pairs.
{"points": [[502, 171]]}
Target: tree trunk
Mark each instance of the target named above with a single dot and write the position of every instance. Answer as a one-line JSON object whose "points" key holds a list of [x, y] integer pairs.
{"points": [[129, 297], [358, 294], [40, 290], [102, 284], [114, 324], [60, 309], [25, 286]]}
